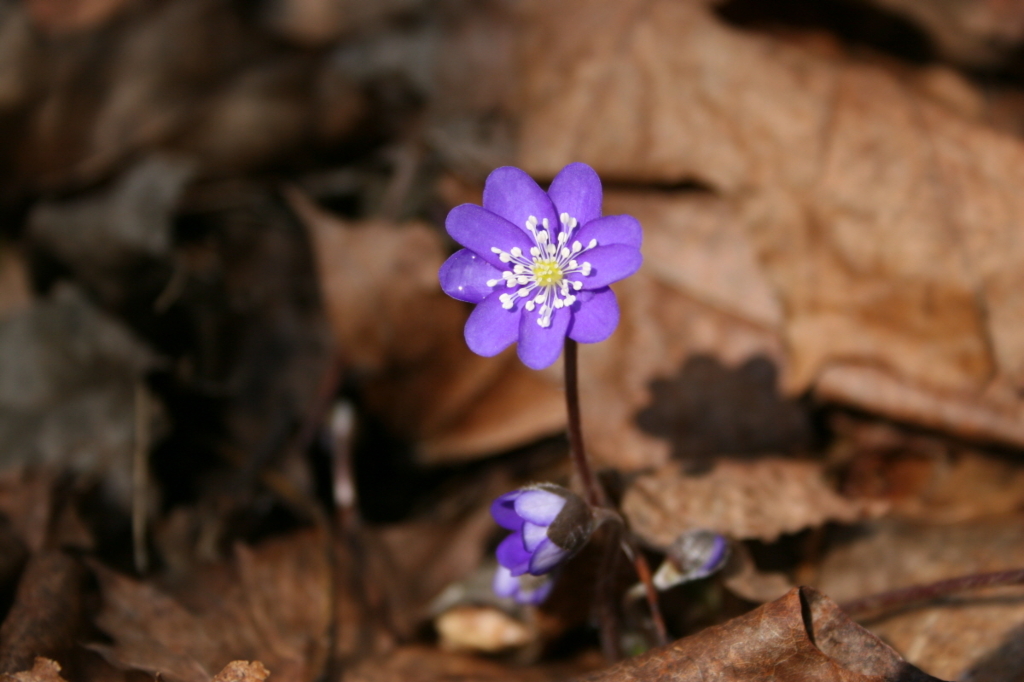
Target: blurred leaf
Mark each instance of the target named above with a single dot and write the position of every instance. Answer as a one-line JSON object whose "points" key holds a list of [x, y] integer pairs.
{"points": [[43, 670], [68, 376], [886, 223], [973, 630], [398, 333]]}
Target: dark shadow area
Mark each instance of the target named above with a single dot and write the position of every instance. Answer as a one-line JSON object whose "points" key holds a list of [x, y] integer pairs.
{"points": [[709, 409], [856, 24], [1005, 662]]}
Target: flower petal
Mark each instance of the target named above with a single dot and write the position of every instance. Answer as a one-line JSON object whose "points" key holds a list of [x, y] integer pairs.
{"points": [[515, 196], [547, 556], [608, 264], [539, 506], [576, 190], [490, 328], [504, 511], [479, 230], [504, 584], [612, 229], [533, 535], [512, 555], [595, 316], [464, 276], [539, 347], [535, 595]]}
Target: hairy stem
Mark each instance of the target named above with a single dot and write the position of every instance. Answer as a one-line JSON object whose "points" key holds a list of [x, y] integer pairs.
{"points": [[919, 593], [595, 493]]}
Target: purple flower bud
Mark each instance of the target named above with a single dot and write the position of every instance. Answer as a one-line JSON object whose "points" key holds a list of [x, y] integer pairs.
{"points": [[693, 555], [538, 264], [549, 525]]}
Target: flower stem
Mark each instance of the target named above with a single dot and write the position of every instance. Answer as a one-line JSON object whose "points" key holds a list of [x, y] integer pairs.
{"points": [[920, 593], [593, 490]]}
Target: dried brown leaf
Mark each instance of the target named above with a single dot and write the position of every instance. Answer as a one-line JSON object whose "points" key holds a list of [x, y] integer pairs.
{"points": [[885, 222], [319, 22], [47, 613], [923, 477], [43, 670], [954, 635], [272, 605], [802, 636], [242, 671], [423, 664], [68, 376], [759, 499], [67, 16], [977, 32], [395, 328]]}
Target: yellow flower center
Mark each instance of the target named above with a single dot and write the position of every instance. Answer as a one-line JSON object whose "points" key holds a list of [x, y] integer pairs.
{"points": [[547, 273]]}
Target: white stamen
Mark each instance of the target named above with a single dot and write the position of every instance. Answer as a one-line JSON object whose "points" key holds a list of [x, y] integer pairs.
{"points": [[542, 276]]}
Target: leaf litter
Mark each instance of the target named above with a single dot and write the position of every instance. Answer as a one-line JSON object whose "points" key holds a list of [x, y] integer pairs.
{"points": [[821, 358]]}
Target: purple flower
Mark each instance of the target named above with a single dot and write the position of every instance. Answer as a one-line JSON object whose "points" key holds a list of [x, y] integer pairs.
{"points": [[549, 525], [695, 554], [538, 264]]}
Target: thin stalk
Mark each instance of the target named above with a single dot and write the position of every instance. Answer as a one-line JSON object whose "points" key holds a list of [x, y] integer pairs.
{"points": [[885, 601], [595, 493], [592, 488]]}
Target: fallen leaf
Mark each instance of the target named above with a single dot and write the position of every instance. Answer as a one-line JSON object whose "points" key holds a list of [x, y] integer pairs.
{"points": [[424, 664], [320, 22], [43, 670], [952, 635], [921, 476], [885, 223], [760, 499], [66, 16], [113, 230], [242, 671], [47, 615], [273, 604], [801, 636], [480, 629], [68, 377], [397, 332], [969, 31]]}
